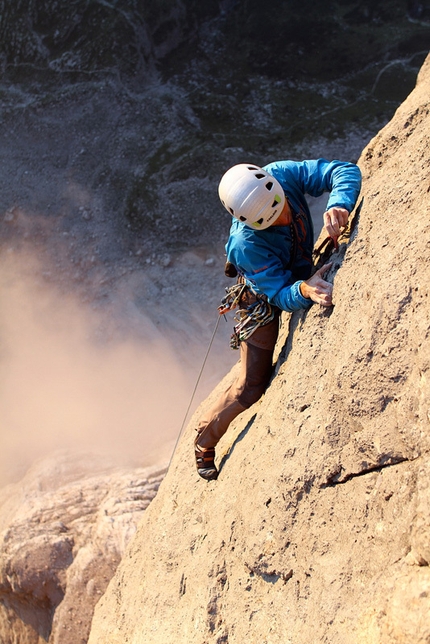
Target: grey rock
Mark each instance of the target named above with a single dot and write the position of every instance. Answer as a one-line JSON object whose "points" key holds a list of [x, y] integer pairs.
{"points": [[64, 529]]}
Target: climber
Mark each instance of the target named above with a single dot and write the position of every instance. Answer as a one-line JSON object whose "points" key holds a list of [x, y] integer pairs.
{"points": [[270, 249]]}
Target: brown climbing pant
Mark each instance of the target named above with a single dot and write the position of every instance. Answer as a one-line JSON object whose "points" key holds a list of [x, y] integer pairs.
{"points": [[256, 357]]}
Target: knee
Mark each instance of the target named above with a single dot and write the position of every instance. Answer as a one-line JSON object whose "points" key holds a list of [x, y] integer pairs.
{"points": [[252, 393]]}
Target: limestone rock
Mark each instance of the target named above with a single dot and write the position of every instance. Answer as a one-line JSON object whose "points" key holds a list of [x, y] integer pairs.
{"points": [[64, 528], [317, 529]]}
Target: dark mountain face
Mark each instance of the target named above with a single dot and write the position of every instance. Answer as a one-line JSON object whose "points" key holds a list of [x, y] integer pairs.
{"points": [[154, 100], [95, 36], [295, 39]]}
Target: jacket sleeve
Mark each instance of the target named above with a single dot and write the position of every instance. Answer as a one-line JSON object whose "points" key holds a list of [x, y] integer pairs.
{"points": [[340, 178], [271, 279]]}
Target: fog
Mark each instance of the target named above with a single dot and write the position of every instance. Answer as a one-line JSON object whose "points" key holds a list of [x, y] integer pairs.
{"points": [[71, 378], [113, 376]]}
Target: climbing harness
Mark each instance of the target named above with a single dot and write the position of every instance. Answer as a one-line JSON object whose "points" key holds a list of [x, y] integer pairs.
{"points": [[257, 313], [233, 297]]}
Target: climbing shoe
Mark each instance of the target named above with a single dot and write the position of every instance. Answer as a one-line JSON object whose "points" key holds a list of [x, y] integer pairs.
{"points": [[205, 462]]}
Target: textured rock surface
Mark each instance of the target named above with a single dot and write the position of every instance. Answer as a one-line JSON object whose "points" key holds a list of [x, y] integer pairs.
{"points": [[318, 528], [64, 528]]}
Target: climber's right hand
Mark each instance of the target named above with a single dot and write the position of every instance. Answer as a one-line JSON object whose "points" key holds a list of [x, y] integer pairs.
{"points": [[317, 289]]}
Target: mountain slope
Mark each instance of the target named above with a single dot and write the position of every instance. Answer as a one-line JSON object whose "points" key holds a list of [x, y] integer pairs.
{"points": [[318, 527]]}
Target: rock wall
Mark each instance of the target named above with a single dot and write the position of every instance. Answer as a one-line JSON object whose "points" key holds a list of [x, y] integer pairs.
{"points": [[318, 527]]}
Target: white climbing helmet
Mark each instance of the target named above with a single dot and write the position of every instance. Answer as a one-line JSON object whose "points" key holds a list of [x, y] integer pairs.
{"points": [[252, 195]]}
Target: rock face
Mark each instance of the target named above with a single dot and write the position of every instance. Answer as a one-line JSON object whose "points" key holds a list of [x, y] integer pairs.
{"points": [[318, 527], [61, 543]]}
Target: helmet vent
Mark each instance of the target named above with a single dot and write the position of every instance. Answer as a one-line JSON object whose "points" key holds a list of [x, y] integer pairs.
{"points": [[260, 176], [275, 203], [232, 211], [242, 218], [260, 221], [269, 185]]}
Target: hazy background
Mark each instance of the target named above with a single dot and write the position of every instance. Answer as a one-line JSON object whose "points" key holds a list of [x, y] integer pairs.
{"points": [[116, 122]]}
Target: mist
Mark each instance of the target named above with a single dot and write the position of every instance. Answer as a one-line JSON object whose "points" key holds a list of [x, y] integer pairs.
{"points": [[70, 379], [99, 359]]}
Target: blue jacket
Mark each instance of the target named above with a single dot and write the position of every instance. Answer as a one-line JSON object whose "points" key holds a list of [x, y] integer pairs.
{"points": [[265, 257]]}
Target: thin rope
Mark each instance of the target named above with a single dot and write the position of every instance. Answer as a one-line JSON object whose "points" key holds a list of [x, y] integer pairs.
{"points": [[195, 388]]}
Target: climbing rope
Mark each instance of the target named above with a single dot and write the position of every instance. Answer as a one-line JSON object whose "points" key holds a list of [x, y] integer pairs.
{"points": [[195, 389], [248, 320]]}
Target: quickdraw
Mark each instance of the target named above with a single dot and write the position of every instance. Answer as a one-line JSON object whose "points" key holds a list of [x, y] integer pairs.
{"points": [[233, 297], [321, 254], [248, 319]]}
